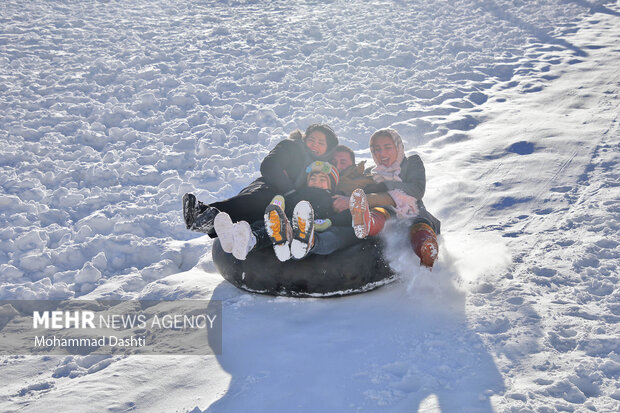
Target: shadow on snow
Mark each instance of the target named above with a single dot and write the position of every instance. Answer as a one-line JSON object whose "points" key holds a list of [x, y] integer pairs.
{"points": [[389, 349]]}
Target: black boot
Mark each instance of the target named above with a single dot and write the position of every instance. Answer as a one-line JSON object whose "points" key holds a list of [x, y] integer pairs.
{"points": [[261, 235], [189, 210], [198, 216], [204, 222]]}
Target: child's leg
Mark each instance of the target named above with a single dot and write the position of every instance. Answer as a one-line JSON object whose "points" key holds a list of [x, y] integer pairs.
{"points": [[262, 237]]}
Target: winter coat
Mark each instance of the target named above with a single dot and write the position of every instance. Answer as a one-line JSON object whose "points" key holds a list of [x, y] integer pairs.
{"points": [[413, 176], [352, 178]]}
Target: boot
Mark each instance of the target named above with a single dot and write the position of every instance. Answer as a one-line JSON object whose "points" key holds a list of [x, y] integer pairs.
{"points": [[245, 238], [189, 209], [424, 243], [204, 222], [197, 215]]}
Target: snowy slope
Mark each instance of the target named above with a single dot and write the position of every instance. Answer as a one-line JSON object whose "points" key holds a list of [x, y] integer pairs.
{"points": [[111, 111]]}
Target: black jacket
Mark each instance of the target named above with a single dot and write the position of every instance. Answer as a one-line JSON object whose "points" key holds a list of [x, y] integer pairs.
{"points": [[413, 176], [284, 168]]}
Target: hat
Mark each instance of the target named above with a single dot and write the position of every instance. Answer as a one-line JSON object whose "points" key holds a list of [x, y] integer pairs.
{"points": [[326, 168]]}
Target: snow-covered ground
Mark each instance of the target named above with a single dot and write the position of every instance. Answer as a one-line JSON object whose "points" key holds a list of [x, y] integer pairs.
{"points": [[111, 110]]}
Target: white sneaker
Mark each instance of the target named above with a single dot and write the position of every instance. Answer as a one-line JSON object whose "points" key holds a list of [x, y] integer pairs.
{"points": [[303, 230], [223, 226], [243, 240]]}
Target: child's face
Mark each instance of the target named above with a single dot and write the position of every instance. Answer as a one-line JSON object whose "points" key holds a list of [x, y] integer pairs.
{"points": [[318, 180], [384, 150]]}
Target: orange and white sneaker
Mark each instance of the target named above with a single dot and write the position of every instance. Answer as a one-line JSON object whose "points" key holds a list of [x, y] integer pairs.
{"points": [[278, 228], [303, 230], [358, 205]]}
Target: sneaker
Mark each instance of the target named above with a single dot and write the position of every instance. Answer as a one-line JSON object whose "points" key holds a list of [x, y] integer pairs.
{"points": [[224, 227], [243, 240], [358, 205], [303, 230], [278, 229], [279, 201], [189, 209]]}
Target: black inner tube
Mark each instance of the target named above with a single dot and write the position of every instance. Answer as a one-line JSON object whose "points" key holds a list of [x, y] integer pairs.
{"points": [[358, 268]]}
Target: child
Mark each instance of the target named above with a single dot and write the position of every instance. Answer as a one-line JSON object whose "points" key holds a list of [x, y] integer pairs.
{"points": [[298, 239]]}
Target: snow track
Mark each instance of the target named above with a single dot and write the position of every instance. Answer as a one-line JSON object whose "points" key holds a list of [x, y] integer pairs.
{"points": [[553, 316]]}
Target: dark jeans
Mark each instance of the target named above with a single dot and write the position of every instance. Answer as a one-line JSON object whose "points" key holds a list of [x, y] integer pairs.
{"points": [[326, 242], [333, 239]]}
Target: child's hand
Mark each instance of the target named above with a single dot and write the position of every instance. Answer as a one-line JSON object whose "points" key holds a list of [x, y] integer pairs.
{"points": [[361, 167], [321, 225]]}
